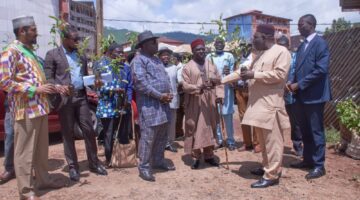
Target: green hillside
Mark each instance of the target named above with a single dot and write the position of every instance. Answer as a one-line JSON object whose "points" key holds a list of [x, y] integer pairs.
{"points": [[120, 35]]}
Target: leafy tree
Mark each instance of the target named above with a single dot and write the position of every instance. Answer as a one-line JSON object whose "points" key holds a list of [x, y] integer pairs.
{"points": [[338, 25]]}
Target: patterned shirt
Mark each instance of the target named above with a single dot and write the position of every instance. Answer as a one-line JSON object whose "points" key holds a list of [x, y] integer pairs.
{"points": [[288, 96], [108, 100], [21, 72], [150, 81]]}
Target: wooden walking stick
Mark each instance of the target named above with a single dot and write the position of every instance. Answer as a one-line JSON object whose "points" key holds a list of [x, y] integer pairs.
{"points": [[223, 133]]}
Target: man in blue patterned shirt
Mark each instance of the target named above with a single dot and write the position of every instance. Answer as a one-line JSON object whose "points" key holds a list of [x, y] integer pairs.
{"points": [[115, 95], [153, 95], [296, 136]]}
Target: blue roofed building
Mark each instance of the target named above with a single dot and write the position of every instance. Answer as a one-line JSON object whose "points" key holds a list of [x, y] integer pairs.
{"points": [[248, 21]]}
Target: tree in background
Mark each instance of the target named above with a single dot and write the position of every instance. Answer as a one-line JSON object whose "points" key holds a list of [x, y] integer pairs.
{"points": [[338, 25]]}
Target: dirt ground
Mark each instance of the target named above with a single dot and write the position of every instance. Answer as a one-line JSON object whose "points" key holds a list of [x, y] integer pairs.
{"points": [[341, 182]]}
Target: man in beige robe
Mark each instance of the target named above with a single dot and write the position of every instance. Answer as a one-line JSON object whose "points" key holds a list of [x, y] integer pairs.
{"points": [[266, 107], [202, 90]]}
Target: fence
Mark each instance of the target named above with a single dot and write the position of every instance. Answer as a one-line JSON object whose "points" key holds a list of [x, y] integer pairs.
{"points": [[344, 70]]}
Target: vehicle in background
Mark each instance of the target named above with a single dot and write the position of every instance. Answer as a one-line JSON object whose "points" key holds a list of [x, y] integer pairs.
{"points": [[53, 118]]}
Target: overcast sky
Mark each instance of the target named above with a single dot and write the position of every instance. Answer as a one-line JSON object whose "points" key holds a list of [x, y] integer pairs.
{"points": [[206, 10]]}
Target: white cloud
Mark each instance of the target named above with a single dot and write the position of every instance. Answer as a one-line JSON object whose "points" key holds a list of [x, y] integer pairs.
{"points": [[207, 10]]}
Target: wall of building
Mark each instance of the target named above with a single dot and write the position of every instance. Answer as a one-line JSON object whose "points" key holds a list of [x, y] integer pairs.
{"points": [[83, 16], [39, 9], [244, 22]]}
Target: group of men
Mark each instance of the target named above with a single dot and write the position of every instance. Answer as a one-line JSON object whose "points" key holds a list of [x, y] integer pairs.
{"points": [[29, 82]]}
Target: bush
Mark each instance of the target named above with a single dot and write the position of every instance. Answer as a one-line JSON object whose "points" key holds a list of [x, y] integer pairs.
{"points": [[332, 135], [349, 114]]}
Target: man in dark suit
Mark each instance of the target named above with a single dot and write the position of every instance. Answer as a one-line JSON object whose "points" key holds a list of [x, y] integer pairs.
{"points": [[65, 68], [311, 86]]}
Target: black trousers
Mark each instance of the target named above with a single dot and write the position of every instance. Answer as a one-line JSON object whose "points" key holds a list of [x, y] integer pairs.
{"points": [[110, 126], [77, 109], [296, 135], [108, 133]]}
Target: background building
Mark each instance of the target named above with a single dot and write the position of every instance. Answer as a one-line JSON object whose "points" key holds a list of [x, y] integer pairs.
{"points": [[248, 21], [81, 15], [39, 9]]}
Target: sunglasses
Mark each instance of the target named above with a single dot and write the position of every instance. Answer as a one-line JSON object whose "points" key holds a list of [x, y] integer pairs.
{"points": [[75, 39]]}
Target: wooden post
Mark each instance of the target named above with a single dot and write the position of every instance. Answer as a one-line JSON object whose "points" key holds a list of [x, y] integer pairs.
{"points": [[99, 25]]}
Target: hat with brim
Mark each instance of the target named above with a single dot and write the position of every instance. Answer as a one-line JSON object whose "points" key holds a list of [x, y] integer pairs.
{"points": [[143, 37], [164, 49]]}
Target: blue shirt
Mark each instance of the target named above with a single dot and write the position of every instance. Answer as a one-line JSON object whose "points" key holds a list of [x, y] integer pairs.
{"points": [[75, 69], [288, 96], [220, 60], [108, 99]]}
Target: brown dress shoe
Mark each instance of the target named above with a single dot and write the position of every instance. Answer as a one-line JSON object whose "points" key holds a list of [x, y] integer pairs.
{"points": [[7, 176], [257, 148]]}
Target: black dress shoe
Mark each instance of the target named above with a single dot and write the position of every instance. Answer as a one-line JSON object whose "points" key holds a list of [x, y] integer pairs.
{"points": [[258, 171], [7, 176], [301, 165], [147, 176], [196, 164], [212, 162], [317, 172], [74, 174], [263, 183], [99, 170], [249, 148], [231, 147], [171, 148], [165, 167]]}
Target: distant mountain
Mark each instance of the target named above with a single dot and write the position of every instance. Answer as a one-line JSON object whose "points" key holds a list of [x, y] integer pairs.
{"points": [[120, 35]]}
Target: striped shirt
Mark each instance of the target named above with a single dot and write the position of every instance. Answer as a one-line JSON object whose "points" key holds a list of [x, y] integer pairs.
{"points": [[21, 71]]}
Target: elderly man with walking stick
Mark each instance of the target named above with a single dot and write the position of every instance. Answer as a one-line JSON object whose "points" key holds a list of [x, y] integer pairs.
{"points": [[202, 90]]}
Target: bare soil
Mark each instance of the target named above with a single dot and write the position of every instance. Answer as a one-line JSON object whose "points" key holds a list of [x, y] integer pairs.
{"points": [[341, 182]]}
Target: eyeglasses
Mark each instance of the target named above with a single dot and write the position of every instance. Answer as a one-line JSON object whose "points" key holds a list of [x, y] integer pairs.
{"points": [[75, 39]]}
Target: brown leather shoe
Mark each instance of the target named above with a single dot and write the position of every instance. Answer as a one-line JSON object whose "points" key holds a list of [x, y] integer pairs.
{"points": [[33, 197], [257, 148], [7, 176]]}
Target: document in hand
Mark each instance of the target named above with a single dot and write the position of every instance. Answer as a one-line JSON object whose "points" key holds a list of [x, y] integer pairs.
{"points": [[105, 77]]}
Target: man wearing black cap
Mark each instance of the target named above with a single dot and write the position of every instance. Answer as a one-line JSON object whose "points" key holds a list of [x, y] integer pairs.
{"points": [[266, 108], [22, 76], [153, 95], [165, 55]]}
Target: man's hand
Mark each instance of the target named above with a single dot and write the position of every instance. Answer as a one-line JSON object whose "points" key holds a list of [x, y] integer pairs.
{"points": [[247, 74], [215, 81], [226, 70], [293, 87], [46, 89], [119, 90], [98, 83], [166, 97], [219, 100], [62, 89]]}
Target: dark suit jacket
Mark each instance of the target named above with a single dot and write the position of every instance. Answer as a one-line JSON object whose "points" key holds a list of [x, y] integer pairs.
{"points": [[312, 72], [57, 71]]}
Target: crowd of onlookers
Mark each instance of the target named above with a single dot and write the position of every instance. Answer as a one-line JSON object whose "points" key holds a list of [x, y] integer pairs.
{"points": [[274, 90]]}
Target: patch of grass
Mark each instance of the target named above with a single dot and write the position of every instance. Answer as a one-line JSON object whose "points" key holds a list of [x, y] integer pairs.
{"points": [[332, 135]]}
